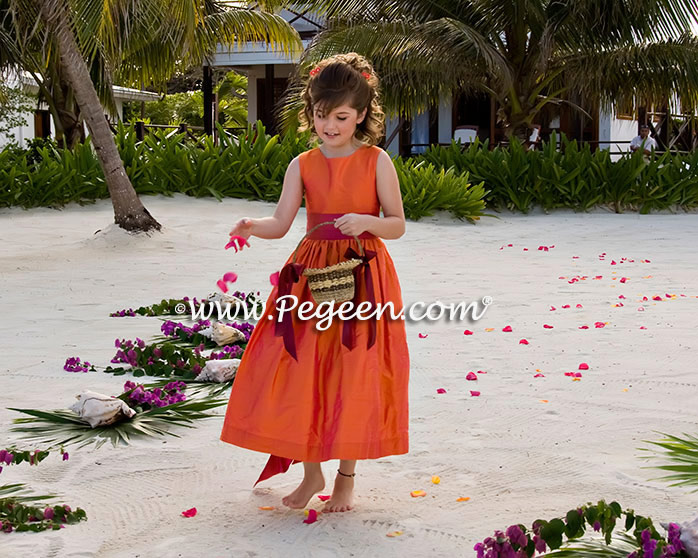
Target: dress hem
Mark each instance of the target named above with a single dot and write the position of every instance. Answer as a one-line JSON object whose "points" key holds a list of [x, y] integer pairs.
{"points": [[300, 452]]}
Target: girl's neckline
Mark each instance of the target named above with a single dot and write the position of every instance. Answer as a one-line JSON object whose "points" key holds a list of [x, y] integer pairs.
{"points": [[343, 156]]}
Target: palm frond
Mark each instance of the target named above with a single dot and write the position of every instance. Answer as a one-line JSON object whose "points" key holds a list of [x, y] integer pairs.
{"points": [[622, 545], [63, 428], [682, 457], [20, 493]]}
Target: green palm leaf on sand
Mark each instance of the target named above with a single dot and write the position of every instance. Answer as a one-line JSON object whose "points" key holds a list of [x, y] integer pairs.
{"points": [[19, 493], [63, 428], [682, 457], [622, 545]]}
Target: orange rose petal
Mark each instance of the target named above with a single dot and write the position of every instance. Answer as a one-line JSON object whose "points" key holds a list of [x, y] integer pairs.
{"points": [[463, 499], [489, 329], [418, 493], [435, 479], [394, 534], [543, 400], [266, 508]]}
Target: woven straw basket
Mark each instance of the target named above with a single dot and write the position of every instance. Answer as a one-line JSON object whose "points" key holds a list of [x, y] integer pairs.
{"points": [[334, 282]]}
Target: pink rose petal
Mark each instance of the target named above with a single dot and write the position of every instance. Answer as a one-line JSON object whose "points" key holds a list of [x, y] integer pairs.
{"points": [[566, 306], [552, 308], [481, 372], [471, 377], [579, 306], [621, 297], [222, 286], [523, 342], [539, 375], [441, 390], [623, 279], [274, 279], [467, 332], [312, 517], [474, 393], [230, 277], [641, 309], [599, 324], [324, 497], [583, 327], [583, 366], [189, 513], [423, 335], [507, 329], [643, 327], [547, 326]]}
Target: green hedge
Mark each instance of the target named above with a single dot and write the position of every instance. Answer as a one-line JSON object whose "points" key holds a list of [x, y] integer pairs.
{"points": [[573, 176]]}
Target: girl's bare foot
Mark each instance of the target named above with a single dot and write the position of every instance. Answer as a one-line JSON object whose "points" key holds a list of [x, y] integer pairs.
{"points": [[299, 498], [342, 496]]}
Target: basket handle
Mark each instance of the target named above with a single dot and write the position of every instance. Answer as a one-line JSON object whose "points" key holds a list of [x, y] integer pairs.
{"points": [[361, 248]]}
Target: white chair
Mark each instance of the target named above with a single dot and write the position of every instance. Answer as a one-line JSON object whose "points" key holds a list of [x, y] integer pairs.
{"points": [[465, 134]]}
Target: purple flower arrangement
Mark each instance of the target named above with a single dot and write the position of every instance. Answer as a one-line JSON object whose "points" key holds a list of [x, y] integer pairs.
{"points": [[167, 307], [187, 333], [229, 351], [519, 542], [13, 456], [73, 364], [171, 393]]}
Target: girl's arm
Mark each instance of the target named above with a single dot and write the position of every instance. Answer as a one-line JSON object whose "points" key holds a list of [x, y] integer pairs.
{"points": [[392, 224], [287, 208]]}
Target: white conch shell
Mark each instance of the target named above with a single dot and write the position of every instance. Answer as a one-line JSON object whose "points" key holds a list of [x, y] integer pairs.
{"points": [[225, 298], [223, 334], [689, 537], [219, 370], [100, 410]]}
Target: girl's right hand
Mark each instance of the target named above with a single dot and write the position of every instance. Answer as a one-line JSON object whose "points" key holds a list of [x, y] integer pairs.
{"points": [[242, 228]]}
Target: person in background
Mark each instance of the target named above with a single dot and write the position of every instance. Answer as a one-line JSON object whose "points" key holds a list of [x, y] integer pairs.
{"points": [[643, 140]]}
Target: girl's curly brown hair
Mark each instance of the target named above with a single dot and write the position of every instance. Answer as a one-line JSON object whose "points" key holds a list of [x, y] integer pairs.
{"points": [[342, 79]]}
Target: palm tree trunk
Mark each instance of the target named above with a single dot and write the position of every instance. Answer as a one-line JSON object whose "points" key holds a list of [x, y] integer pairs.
{"points": [[129, 212]]}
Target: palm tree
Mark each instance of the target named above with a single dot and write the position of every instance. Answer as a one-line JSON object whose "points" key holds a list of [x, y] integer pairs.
{"points": [[526, 54], [139, 41]]}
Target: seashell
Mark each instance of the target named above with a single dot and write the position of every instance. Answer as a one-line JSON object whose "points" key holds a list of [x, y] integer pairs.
{"points": [[689, 537], [219, 371], [224, 335], [225, 299], [100, 410]]}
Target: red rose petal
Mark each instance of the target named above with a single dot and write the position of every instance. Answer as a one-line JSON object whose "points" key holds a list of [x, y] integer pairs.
{"points": [[599, 324], [324, 497], [189, 513], [312, 517], [583, 366], [467, 332], [547, 326], [441, 390], [507, 329], [623, 279], [539, 375], [552, 308], [523, 342], [222, 286], [583, 327], [579, 306], [481, 372], [230, 277], [274, 279], [566, 306], [423, 335], [474, 393], [471, 377]]}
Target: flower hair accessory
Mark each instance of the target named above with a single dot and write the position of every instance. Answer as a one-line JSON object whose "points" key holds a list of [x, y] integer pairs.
{"points": [[315, 71], [366, 75]]}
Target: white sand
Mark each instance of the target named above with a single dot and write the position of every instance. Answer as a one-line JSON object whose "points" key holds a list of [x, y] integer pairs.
{"points": [[517, 458]]}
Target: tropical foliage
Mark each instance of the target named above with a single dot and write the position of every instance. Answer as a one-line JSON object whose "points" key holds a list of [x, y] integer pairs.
{"points": [[679, 457], [526, 54]]}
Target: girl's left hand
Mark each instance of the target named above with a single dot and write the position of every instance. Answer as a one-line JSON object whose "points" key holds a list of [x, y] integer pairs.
{"points": [[351, 224]]}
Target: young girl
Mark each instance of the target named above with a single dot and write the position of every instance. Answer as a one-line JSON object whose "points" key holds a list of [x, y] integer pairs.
{"points": [[309, 395]]}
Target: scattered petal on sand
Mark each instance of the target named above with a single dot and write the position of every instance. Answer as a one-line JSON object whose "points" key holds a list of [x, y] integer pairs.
{"points": [[507, 329], [625, 389], [641, 309], [523, 342], [621, 297], [480, 372], [237, 242], [463, 499], [189, 513], [441, 390], [547, 326], [543, 400], [565, 305], [539, 375], [230, 277], [576, 379], [324, 497], [623, 279], [489, 329], [643, 327], [467, 332], [418, 493], [267, 508], [312, 517], [583, 327], [394, 534], [599, 324], [474, 393], [471, 376], [583, 366], [222, 286], [423, 335], [656, 298], [435, 479], [579, 306], [552, 308], [274, 279]]}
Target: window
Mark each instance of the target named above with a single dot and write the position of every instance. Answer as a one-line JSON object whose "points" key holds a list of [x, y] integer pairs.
{"points": [[625, 109]]}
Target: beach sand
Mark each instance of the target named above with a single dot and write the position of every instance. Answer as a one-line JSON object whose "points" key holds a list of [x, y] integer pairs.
{"points": [[515, 456]]}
